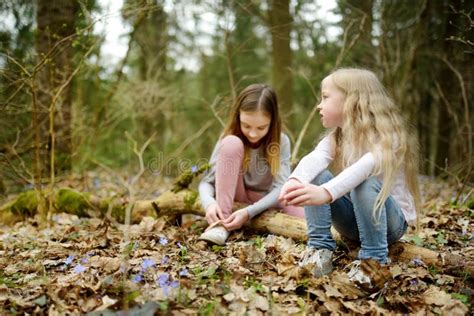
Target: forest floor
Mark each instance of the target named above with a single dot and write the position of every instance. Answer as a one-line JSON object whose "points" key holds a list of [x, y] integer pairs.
{"points": [[85, 265]]}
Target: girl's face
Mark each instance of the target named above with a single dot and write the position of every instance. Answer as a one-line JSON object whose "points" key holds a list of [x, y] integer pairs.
{"points": [[254, 125], [332, 101]]}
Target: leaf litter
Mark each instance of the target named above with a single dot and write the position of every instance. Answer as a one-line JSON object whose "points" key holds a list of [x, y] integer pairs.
{"points": [[83, 265]]}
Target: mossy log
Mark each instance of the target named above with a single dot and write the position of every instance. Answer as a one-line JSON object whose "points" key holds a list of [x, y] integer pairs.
{"points": [[72, 202]]}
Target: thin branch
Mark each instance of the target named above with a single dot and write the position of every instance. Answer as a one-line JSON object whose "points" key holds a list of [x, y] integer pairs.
{"points": [[343, 53], [304, 130], [188, 141], [18, 64], [139, 154], [229, 64], [466, 113], [119, 71], [448, 104], [216, 101]]}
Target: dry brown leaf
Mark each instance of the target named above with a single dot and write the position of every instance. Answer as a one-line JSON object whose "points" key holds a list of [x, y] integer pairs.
{"points": [[229, 297], [435, 296], [260, 302], [333, 306], [345, 286], [332, 291]]}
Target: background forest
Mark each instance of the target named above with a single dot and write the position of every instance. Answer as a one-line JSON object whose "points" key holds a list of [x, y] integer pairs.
{"points": [[59, 96], [87, 136]]}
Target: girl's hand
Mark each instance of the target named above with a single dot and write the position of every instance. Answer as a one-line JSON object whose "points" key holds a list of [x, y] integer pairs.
{"points": [[308, 194], [236, 220], [213, 213], [289, 186]]}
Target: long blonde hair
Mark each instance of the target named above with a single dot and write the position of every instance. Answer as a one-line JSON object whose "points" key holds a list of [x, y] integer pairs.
{"points": [[373, 122], [258, 97]]}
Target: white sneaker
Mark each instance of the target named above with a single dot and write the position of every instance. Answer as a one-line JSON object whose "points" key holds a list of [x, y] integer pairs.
{"points": [[319, 259], [356, 274], [369, 274], [216, 235]]}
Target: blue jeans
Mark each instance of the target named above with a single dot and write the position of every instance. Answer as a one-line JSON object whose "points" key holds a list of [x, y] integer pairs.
{"points": [[352, 217]]}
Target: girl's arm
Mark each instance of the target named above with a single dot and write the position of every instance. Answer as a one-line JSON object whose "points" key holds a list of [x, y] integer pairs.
{"points": [[315, 162], [206, 186], [350, 177], [206, 194]]}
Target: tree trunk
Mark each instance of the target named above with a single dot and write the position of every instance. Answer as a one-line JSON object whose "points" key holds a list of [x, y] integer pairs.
{"points": [[152, 39], [56, 20], [280, 23]]}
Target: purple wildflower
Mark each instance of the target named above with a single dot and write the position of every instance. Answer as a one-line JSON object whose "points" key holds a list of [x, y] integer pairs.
{"points": [[163, 241], [137, 278], [69, 260], [163, 280], [165, 283], [85, 260], [147, 263], [165, 260], [194, 169], [417, 262], [183, 272], [79, 269]]}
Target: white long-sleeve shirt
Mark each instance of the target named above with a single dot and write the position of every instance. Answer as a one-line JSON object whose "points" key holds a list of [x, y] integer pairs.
{"points": [[258, 177], [319, 159]]}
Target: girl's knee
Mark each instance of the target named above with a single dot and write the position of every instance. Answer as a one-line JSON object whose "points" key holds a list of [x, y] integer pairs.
{"points": [[365, 195], [368, 187], [322, 178], [232, 144]]}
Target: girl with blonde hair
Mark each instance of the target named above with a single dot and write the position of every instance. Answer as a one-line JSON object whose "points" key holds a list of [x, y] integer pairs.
{"points": [[249, 164], [376, 194]]}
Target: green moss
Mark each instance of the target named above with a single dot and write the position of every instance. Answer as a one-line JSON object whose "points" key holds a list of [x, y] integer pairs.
{"points": [[185, 179], [72, 202], [190, 199], [118, 212], [26, 204], [470, 203]]}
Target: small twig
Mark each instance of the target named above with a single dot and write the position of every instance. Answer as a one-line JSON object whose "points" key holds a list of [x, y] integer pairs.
{"points": [[304, 130], [119, 71], [22, 162], [467, 123], [216, 101], [139, 154], [343, 53], [230, 66], [188, 141]]}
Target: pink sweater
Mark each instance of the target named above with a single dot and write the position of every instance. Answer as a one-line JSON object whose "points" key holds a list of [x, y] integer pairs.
{"points": [[319, 159]]}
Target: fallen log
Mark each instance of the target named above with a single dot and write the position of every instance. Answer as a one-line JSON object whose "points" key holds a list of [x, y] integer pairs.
{"points": [[187, 201]]}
